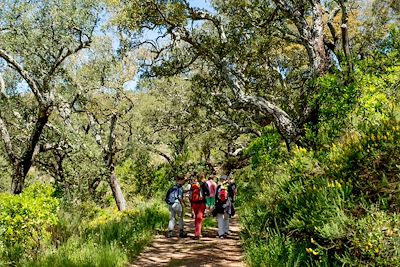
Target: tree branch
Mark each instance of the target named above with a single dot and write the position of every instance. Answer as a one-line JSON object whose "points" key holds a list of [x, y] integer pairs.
{"points": [[345, 34], [7, 140], [168, 158], [111, 139], [2, 87], [331, 26], [24, 74], [239, 128], [29, 153], [92, 122], [62, 57]]}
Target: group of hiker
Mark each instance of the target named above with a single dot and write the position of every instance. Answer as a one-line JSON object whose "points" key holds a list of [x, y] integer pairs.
{"points": [[207, 197]]}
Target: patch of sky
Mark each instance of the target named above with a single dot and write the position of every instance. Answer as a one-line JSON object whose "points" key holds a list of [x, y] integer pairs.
{"points": [[151, 35], [335, 59], [204, 4], [155, 36], [283, 71]]}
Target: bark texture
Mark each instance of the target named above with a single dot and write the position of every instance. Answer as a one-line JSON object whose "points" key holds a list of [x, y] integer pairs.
{"points": [[109, 153]]}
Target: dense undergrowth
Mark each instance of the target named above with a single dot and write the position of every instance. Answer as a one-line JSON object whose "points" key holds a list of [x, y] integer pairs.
{"points": [[35, 231], [335, 202], [332, 200]]}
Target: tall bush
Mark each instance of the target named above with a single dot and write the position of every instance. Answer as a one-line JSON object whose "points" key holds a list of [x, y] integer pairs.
{"points": [[25, 223]]}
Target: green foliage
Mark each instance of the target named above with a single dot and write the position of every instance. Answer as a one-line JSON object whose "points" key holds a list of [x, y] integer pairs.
{"points": [[25, 223], [335, 102], [375, 240], [265, 149], [104, 237], [76, 254], [337, 204], [35, 233], [131, 230], [369, 163], [325, 204], [141, 178], [209, 222], [132, 15], [278, 247]]}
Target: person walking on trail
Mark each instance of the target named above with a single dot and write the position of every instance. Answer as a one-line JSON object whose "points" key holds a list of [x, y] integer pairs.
{"points": [[223, 204], [192, 179], [186, 193], [232, 192], [210, 200], [198, 193], [174, 199]]}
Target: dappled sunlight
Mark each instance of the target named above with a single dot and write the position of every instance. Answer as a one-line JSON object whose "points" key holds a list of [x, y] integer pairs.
{"points": [[208, 251]]}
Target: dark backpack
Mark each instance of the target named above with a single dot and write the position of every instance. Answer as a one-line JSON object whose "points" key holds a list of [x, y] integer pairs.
{"points": [[172, 195], [196, 193]]}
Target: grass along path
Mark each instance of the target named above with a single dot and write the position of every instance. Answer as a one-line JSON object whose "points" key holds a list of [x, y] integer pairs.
{"points": [[208, 251]]}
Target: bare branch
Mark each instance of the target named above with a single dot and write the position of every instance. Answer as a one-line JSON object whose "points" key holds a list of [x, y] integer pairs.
{"points": [[331, 26], [203, 15], [239, 128], [345, 33], [63, 56], [156, 151], [24, 74], [92, 122]]}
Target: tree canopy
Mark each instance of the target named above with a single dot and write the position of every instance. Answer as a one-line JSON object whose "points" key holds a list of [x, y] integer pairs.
{"points": [[103, 104]]}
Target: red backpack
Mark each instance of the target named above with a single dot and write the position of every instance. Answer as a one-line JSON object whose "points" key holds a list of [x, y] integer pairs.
{"points": [[196, 195], [223, 194]]}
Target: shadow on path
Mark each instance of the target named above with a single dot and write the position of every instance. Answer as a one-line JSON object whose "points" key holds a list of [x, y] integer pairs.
{"points": [[208, 251]]}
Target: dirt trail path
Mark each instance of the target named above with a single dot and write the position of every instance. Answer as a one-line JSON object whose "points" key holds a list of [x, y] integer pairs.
{"points": [[208, 251]]}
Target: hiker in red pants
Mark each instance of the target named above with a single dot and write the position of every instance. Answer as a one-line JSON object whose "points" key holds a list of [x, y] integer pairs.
{"points": [[198, 193]]}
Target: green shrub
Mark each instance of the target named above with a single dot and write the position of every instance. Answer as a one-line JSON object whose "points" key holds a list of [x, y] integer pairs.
{"points": [[105, 237], [209, 222], [77, 254], [275, 250], [141, 178], [25, 223], [375, 240], [328, 209], [131, 230]]}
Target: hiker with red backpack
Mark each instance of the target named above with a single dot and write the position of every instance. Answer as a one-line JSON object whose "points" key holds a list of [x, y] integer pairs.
{"points": [[198, 193], [223, 206]]}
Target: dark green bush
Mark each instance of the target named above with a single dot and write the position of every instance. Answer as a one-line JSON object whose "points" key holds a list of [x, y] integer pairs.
{"points": [[334, 201], [325, 204]]}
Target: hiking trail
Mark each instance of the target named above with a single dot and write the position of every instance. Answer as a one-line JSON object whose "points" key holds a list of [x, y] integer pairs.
{"points": [[209, 251]]}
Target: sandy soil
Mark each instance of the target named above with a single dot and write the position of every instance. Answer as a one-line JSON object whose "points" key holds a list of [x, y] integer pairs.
{"points": [[208, 251]]}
